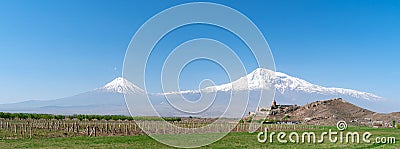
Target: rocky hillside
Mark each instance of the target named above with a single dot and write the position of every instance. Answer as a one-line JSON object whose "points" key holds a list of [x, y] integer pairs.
{"points": [[329, 112]]}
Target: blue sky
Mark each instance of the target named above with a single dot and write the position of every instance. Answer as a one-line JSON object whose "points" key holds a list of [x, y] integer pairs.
{"points": [[52, 49]]}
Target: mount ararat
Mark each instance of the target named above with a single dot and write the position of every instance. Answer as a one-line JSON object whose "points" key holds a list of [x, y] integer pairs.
{"points": [[109, 99]]}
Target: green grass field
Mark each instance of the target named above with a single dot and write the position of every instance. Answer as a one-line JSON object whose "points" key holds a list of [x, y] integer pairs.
{"points": [[233, 140]]}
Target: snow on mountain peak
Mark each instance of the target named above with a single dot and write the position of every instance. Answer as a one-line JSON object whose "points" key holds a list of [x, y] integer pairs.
{"points": [[262, 78], [258, 79], [121, 85]]}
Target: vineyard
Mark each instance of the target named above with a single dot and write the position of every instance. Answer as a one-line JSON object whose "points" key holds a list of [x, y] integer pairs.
{"points": [[50, 126]]}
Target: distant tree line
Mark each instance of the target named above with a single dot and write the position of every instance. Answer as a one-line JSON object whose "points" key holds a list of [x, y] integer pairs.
{"points": [[81, 117], [30, 115]]}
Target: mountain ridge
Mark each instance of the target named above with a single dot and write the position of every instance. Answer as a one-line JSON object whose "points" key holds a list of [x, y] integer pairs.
{"points": [[289, 90], [262, 78]]}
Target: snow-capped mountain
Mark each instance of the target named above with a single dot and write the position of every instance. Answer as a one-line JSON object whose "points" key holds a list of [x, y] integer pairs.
{"points": [[259, 79], [121, 85], [109, 99], [264, 78], [290, 90]]}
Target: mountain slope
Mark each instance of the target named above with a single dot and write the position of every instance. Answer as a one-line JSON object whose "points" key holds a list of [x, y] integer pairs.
{"points": [[264, 78], [108, 99], [292, 90]]}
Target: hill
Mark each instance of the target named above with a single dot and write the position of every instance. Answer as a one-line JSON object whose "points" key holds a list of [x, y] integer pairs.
{"points": [[329, 112]]}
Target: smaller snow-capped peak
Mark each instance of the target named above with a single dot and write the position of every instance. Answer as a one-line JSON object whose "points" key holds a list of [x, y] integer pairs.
{"points": [[121, 85]]}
